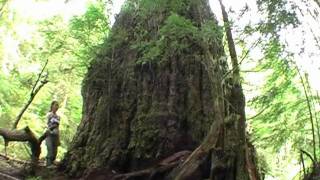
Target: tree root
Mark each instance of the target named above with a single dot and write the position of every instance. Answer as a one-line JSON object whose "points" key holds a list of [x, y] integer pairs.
{"points": [[150, 173], [159, 170], [164, 166]]}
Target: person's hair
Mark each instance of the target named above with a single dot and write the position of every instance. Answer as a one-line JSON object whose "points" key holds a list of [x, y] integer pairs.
{"points": [[53, 103]]}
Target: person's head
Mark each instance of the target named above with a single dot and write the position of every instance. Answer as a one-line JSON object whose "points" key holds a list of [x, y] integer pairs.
{"points": [[54, 106]]}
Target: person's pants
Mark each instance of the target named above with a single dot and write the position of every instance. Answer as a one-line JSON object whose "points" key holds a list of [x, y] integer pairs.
{"points": [[52, 142]]}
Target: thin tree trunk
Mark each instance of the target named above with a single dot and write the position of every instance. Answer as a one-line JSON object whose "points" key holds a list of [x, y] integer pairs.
{"points": [[310, 113], [236, 69], [303, 166], [307, 154], [231, 45], [313, 107], [238, 98]]}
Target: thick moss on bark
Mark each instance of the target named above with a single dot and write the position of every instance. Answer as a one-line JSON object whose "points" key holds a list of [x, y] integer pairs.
{"points": [[156, 89]]}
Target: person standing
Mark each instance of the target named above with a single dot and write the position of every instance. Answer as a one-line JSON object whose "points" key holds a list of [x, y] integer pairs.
{"points": [[52, 138]]}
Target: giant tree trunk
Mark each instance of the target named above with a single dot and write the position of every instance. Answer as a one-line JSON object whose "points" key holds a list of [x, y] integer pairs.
{"points": [[156, 89]]}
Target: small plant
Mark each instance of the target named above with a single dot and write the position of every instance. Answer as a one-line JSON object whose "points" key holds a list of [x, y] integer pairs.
{"points": [[34, 178]]}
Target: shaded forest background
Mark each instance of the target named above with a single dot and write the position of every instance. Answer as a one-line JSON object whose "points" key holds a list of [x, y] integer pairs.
{"points": [[278, 48]]}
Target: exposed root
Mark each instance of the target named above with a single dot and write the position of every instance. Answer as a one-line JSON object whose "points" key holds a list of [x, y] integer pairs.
{"points": [[150, 173], [161, 169]]}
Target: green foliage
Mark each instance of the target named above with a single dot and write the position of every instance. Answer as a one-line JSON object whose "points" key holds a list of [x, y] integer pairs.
{"points": [[178, 27], [90, 31], [282, 125], [162, 30], [69, 47], [210, 32], [280, 14], [34, 178], [148, 8], [117, 39], [176, 36]]}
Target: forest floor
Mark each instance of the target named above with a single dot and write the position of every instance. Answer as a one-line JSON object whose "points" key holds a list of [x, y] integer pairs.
{"points": [[11, 169]]}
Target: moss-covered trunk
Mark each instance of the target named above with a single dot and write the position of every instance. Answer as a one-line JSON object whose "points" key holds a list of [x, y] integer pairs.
{"points": [[158, 88]]}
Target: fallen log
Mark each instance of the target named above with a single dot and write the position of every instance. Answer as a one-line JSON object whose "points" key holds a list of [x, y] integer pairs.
{"points": [[24, 135]]}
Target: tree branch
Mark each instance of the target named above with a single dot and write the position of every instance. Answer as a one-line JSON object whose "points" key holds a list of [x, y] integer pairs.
{"points": [[303, 166], [33, 94], [4, 3], [310, 112], [39, 76], [309, 155], [244, 56], [259, 113]]}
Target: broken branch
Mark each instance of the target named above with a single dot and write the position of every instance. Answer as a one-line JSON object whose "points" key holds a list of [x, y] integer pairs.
{"points": [[33, 94], [24, 135]]}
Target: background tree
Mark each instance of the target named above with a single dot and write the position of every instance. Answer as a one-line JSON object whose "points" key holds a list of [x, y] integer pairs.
{"points": [[285, 105]]}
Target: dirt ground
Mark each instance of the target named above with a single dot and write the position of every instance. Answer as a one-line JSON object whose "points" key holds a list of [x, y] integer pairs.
{"points": [[11, 169]]}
